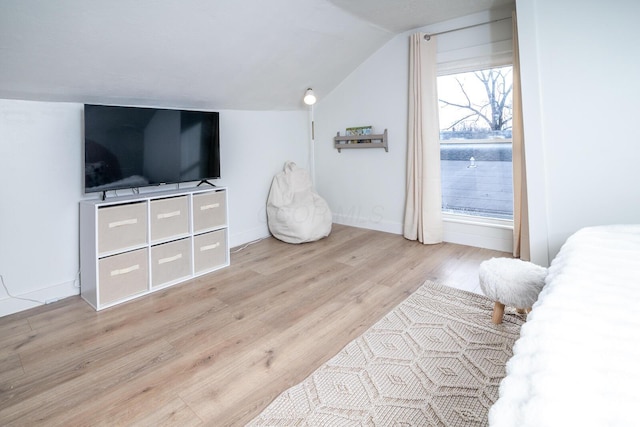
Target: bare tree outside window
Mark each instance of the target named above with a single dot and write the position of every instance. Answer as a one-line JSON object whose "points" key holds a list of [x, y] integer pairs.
{"points": [[475, 142], [476, 105]]}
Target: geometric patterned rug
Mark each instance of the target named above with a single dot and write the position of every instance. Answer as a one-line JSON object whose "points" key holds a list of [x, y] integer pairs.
{"points": [[434, 360]]}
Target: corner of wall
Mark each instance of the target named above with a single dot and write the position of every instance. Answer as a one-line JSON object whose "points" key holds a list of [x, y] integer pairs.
{"points": [[534, 137]]}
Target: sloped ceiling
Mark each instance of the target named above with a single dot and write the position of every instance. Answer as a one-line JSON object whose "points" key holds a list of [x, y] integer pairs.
{"points": [[216, 54]]}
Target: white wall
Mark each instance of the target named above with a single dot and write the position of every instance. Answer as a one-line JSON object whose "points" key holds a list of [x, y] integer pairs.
{"points": [[41, 174], [254, 147], [40, 171], [366, 188], [580, 69]]}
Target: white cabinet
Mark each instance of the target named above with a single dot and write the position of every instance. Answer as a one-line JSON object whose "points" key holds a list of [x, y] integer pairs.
{"points": [[131, 246]]}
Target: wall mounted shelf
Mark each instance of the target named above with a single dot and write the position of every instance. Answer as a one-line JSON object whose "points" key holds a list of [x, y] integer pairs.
{"points": [[361, 141]]}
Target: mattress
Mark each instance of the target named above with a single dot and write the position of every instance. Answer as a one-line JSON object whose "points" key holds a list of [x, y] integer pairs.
{"points": [[577, 361]]}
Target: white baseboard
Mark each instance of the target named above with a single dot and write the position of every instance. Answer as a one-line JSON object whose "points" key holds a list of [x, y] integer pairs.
{"points": [[237, 239], [487, 236], [479, 235], [386, 226], [10, 305]]}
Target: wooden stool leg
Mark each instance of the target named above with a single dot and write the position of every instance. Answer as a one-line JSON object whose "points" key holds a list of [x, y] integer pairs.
{"points": [[498, 312]]}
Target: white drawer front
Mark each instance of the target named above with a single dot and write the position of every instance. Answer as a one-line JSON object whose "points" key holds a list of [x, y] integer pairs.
{"points": [[209, 210], [169, 218], [123, 275], [121, 227], [170, 261], [210, 250]]}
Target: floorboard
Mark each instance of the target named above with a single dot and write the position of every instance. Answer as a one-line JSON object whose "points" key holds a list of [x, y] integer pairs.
{"points": [[215, 350]]}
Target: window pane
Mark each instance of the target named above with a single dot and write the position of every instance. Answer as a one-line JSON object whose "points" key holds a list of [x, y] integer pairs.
{"points": [[476, 105], [477, 179], [475, 143]]}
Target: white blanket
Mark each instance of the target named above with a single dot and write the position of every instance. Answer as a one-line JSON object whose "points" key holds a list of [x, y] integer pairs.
{"points": [[577, 361]]}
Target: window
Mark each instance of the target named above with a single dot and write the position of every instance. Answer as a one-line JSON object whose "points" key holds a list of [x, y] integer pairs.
{"points": [[475, 143]]}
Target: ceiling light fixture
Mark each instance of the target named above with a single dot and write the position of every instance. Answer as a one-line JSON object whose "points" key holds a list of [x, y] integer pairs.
{"points": [[309, 97]]}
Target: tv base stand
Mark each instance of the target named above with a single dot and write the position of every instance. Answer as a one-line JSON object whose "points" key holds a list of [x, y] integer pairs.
{"points": [[204, 181]]}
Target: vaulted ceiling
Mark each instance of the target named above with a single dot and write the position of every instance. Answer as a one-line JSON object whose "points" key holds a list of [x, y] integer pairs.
{"points": [[218, 54]]}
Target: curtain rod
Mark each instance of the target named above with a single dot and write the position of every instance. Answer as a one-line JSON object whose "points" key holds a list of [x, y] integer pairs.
{"points": [[428, 36]]}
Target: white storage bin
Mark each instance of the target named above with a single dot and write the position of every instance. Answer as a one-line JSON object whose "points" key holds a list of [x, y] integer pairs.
{"points": [[121, 227], [169, 218], [170, 261], [209, 210], [123, 275], [210, 250]]}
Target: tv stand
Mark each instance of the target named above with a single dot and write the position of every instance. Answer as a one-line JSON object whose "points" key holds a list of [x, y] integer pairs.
{"points": [[135, 245], [204, 181]]}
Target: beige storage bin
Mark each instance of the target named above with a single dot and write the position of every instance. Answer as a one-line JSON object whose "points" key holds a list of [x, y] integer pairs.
{"points": [[121, 227], [209, 210], [122, 276], [210, 250], [170, 261], [169, 218]]}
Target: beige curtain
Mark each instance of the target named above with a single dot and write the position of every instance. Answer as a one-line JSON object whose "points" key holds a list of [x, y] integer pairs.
{"points": [[423, 210], [520, 207]]}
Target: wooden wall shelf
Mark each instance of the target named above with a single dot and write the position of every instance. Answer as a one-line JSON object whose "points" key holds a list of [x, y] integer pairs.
{"points": [[362, 141]]}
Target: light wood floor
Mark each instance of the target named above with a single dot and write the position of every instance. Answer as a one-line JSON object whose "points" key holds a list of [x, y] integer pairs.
{"points": [[216, 350]]}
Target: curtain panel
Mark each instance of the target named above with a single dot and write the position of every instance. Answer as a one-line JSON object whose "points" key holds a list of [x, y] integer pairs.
{"points": [[520, 205], [423, 209]]}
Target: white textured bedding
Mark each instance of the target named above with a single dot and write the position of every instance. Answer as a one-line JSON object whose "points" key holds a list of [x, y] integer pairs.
{"points": [[577, 361]]}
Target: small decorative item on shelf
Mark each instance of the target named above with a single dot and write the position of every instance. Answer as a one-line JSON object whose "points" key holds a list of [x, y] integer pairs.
{"points": [[366, 140], [360, 130]]}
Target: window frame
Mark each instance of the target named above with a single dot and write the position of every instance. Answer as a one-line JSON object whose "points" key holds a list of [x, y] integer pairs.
{"points": [[459, 217]]}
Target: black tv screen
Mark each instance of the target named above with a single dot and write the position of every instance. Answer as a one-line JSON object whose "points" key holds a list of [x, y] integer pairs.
{"points": [[131, 147]]}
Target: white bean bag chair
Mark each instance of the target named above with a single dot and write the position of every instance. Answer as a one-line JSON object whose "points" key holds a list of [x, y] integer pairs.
{"points": [[295, 212]]}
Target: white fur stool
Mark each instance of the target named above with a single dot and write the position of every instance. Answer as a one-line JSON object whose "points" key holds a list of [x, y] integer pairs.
{"points": [[511, 282]]}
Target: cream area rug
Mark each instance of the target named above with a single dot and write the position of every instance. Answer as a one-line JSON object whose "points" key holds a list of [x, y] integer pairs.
{"points": [[435, 360]]}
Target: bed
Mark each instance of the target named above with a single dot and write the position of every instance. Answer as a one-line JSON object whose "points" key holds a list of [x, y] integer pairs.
{"points": [[577, 361]]}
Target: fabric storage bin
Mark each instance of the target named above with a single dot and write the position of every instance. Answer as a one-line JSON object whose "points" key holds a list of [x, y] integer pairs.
{"points": [[170, 261], [209, 210], [210, 250], [169, 218], [121, 227], [123, 275]]}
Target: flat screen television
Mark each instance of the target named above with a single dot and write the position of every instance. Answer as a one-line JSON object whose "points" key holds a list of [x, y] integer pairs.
{"points": [[132, 147]]}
